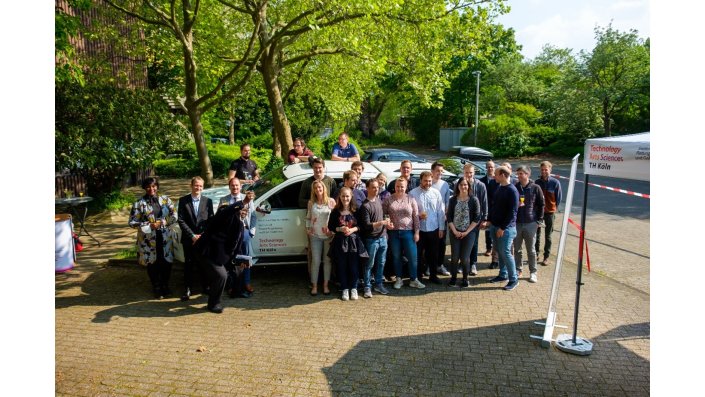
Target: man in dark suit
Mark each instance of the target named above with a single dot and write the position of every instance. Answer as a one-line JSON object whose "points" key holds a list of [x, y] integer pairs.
{"points": [[218, 247], [194, 212]]}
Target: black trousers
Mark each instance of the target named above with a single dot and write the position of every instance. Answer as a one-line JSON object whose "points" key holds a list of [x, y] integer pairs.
{"points": [[160, 271], [192, 267], [427, 253], [217, 275]]}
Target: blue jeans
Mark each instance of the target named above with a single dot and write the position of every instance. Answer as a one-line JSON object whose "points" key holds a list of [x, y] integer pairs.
{"points": [[403, 239], [507, 266], [377, 249], [473, 251]]}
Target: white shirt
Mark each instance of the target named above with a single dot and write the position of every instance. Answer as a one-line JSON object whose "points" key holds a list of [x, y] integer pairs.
{"points": [[431, 202]]}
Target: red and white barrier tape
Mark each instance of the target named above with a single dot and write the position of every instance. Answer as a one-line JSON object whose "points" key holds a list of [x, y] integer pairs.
{"points": [[614, 189], [582, 237]]}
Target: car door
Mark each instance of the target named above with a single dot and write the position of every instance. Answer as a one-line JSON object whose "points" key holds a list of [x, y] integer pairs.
{"points": [[281, 226]]}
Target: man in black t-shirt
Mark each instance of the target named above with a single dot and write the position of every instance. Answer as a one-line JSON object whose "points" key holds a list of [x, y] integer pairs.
{"points": [[244, 168]]}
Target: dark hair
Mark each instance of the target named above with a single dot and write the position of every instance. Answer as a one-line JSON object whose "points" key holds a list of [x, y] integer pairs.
{"points": [[436, 164], [316, 160], [243, 145], [456, 190], [339, 203], [148, 181], [303, 143], [370, 181]]}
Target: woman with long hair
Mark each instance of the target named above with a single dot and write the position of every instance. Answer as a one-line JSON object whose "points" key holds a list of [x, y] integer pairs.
{"points": [[463, 215], [319, 209], [346, 245]]}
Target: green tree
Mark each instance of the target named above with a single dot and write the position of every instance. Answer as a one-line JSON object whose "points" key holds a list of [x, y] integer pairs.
{"points": [[335, 50], [617, 71], [214, 49], [105, 132]]}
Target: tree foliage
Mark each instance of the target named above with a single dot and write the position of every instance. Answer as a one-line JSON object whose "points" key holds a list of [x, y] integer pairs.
{"points": [[105, 133]]}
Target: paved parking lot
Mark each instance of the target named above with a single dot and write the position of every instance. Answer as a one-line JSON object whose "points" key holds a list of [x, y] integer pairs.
{"points": [[112, 338]]}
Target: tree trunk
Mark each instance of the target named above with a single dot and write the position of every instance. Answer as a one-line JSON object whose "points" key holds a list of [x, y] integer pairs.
{"points": [[194, 113], [204, 159], [281, 128], [231, 129]]}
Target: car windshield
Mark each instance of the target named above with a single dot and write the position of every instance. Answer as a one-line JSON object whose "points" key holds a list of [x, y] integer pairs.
{"points": [[268, 181]]}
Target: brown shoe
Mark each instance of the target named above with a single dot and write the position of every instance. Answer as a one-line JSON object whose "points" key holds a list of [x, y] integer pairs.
{"points": [[544, 262], [488, 253], [249, 288]]}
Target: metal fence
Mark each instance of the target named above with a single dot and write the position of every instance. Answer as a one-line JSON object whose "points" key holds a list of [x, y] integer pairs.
{"points": [[71, 185]]}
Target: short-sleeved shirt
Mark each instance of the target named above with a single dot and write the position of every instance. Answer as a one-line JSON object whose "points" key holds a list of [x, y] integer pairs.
{"points": [[244, 169], [347, 152]]}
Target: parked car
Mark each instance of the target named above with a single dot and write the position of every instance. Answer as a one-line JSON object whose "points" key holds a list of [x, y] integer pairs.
{"points": [[455, 165], [473, 153], [390, 155], [280, 236]]}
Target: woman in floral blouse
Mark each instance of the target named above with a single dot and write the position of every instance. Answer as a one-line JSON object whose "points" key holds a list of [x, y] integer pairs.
{"points": [[463, 215], [152, 215]]}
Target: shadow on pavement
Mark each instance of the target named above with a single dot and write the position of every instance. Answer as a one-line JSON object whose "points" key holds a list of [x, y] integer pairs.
{"points": [[497, 360], [126, 289]]}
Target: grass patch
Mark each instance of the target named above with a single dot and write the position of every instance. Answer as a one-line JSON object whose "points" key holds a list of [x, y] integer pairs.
{"points": [[130, 253]]}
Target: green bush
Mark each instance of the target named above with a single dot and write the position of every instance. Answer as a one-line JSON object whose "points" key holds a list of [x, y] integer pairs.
{"points": [[112, 201], [315, 144], [177, 167], [505, 136], [221, 157], [105, 132]]}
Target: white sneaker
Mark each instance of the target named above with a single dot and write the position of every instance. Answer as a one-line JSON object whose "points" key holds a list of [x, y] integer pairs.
{"points": [[533, 278], [427, 273], [416, 284], [398, 283], [473, 270], [368, 293], [346, 295], [353, 294], [442, 270]]}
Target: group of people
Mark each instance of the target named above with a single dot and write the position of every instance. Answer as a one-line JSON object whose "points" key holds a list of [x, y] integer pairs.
{"points": [[411, 218], [216, 246], [354, 226]]}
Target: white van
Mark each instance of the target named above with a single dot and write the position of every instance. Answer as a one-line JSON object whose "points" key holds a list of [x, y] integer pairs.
{"points": [[280, 236]]}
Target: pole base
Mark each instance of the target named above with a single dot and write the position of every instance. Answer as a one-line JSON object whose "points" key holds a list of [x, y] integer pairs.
{"points": [[581, 347]]}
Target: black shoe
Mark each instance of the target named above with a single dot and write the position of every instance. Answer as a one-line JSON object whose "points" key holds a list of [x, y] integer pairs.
{"points": [[166, 291], [186, 295], [216, 309], [493, 265], [498, 279], [158, 293], [434, 280], [451, 283], [511, 285], [464, 284], [245, 294]]}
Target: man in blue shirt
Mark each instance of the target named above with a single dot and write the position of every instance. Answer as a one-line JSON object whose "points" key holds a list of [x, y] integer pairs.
{"points": [[432, 219], [344, 151]]}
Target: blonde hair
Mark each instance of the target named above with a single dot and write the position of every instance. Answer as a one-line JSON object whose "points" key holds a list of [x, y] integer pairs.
{"points": [[313, 192]]}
